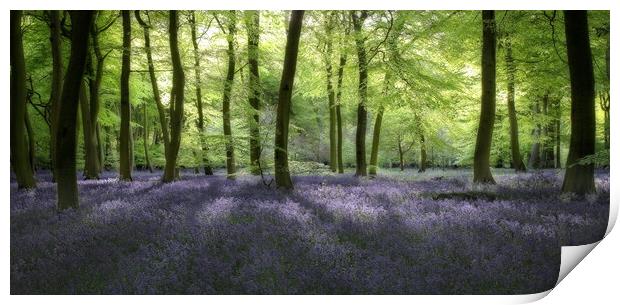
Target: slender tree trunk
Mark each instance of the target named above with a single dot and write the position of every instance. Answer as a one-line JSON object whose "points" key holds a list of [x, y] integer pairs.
{"points": [[146, 139], [327, 58], [282, 174], [342, 63], [482, 153], [376, 134], [517, 161], [31, 141], [558, 131], [401, 154], [66, 137], [18, 146], [253, 27], [161, 110], [125, 137], [422, 154], [91, 166], [360, 135], [548, 143], [228, 83], [201, 123], [56, 84], [100, 148], [534, 161], [579, 178], [176, 108]]}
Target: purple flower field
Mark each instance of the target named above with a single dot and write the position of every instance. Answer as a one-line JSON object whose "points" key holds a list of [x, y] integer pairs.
{"points": [[410, 233]]}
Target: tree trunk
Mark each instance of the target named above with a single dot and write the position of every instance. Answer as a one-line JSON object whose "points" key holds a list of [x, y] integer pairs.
{"points": [[482, 153], [56, 84], [228, 83], [31, 142], [558, 115], [67, 120], [401, 154], [422, 154], [125, 136], [161, 110], [548, 138], [517, 161], [342, 63], [360, 134], [580, 178], [376, 134], [327, 58], [534, 161], [201, 123], [282, 174], [253, 27], [18, 146], [146, 139], [176, 108], [91, 159]]}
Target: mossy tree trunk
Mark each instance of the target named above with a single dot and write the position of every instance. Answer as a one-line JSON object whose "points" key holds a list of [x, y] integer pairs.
{"points": [[282, 174], [341, 63], [252, 20], [56, 83], [362, 115], [231, 169], [18, 146], [125, 169]]}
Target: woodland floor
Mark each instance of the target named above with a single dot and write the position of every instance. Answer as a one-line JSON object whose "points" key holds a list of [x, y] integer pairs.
{"points": [[401, 233]]}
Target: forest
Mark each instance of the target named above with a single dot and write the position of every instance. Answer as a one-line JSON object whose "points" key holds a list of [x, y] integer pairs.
{"points": [[305, 152]]}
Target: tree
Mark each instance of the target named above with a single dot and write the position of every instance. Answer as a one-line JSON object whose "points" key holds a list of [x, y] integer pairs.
{"points": [[19, 150], [146, 139], [282, 174], [482, 153], [252, 20], [201, 122], [176, 101], [579, 177], [341, 63], [228, 83], [161, 110], [126, 163], [66, 178], [360, 134], [56, 81], [517, 161], [327, 59]]}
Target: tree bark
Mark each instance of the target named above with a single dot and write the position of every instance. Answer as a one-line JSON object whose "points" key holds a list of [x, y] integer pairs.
{"points": [[91, 158], [376, 135], [198, 81], [146, 139], [422, 154], [176, 107], [18, 146], [360, 134], [534, 161], [228, 83], [579, 178], [125, 136], [482, 153], [341, 64], [327, 58], [282, 174], [31, 141], [253, 27], [67, 120], [517, 161], [548, 142], [56, 84]]}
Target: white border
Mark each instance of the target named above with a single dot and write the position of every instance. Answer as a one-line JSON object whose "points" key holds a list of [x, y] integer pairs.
{"points": [[596, 282]]}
